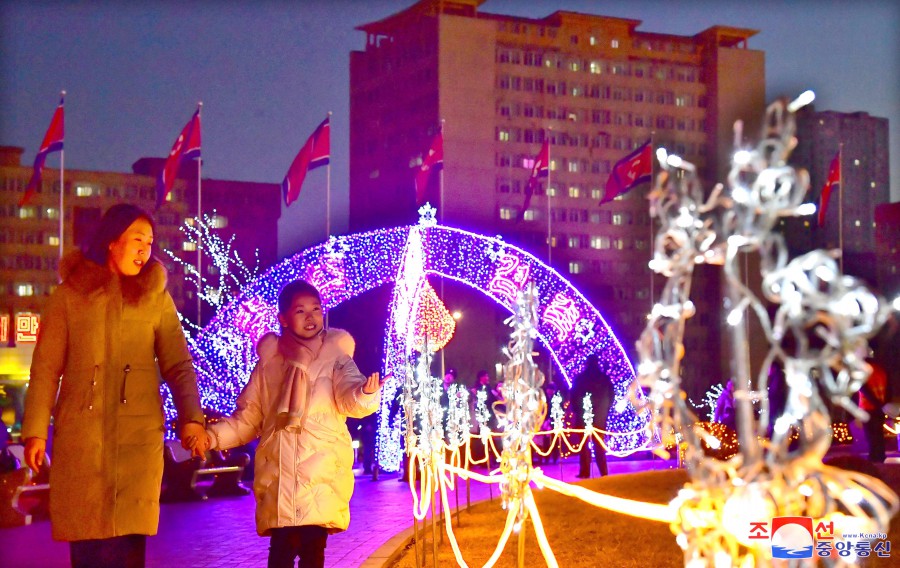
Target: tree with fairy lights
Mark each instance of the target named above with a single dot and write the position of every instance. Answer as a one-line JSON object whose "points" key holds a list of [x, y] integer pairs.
{"points": [[232, 276]]}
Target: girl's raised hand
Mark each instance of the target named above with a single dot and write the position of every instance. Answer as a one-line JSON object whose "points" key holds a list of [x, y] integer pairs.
{"points": [[373, 383]]}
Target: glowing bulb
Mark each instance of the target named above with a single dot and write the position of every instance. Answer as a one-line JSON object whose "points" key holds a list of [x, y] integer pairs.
{"points": [[896, 304], [742, 157], [807, 209], [735, 317], [806, 490], [674, 161], [661, 155], [852, 496], [801, 101]]}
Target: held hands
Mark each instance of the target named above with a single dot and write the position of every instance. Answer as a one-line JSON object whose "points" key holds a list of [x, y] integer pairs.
{"points": [[35, 450], [373, 383], [194, 438]]}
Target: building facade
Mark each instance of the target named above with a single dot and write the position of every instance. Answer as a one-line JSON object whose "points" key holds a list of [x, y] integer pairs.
{"points": [[596, 87], [861, 141]]}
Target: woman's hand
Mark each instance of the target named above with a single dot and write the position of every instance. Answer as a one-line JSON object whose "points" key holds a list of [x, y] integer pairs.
{"points": [[194, 438], [35, 450], [373, 383]]}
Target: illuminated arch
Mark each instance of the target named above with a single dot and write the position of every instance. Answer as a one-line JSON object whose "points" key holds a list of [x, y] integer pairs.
{"points": [[347, 266]]}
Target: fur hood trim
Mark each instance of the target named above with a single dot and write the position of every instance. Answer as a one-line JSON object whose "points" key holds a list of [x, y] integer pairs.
{"points": [[86, 276]]}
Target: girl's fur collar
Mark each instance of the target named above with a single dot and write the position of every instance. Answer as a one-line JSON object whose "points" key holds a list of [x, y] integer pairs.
{"points": [[86, 276]]}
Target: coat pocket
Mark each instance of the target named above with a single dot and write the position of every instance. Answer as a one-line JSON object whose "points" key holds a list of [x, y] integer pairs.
{"points": [[139, 392]]}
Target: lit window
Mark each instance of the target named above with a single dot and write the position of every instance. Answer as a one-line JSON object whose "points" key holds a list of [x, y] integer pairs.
{"points": [[593, 40], [573, 167], [618, 219], [619, 244], [507, 213], [595, 67], [614, 44], [170, 196], [527, 163], [219, 222], [24, 289], [529, 215], [857, 223], [188, 246], [872, 184], [600, 242], [596, 194], [576, 268], [551, 191], [855, 162], [53, 240], [27, 212], [189, 221], [575, 66], [574, 191], [51, 213], [554, 165], [84, 190], [503, 135], [574, 242]]}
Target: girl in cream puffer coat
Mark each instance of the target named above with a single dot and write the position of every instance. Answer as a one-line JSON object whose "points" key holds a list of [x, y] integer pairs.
{"points": [[299, 396]]}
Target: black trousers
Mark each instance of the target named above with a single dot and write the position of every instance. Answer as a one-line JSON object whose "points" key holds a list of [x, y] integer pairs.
{"points": [[128, 551], [584, 459], [874, 430], [307, 542]]}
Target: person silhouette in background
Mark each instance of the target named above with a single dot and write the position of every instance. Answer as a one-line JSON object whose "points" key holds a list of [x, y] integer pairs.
{"points": [[595, 384]]}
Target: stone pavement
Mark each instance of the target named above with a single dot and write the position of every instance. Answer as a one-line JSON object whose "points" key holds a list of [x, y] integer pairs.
{"points": [[222, 532]]}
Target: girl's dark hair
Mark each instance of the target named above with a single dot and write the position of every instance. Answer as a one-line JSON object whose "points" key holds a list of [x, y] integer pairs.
{"points": [[113, 223], [294, 289]]}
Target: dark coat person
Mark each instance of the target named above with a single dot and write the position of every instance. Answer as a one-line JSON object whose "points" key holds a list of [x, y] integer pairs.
{"points": [[594, 383], [107, 334]]}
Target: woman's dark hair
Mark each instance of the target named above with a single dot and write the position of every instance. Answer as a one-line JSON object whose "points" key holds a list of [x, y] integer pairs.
{"points": [[113, 223], [294, 289]]}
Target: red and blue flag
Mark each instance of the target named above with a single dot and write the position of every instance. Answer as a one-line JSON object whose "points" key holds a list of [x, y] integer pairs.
{"points": [[834, 178], [541, 168], [629, 172], [432, 162], [53, 142], [186, 147], [315, 153]]}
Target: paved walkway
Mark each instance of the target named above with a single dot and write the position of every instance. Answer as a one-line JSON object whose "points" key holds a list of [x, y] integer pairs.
{"points": [[222, 532]]}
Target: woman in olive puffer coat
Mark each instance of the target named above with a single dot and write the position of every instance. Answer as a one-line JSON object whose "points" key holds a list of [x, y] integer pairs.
{"points": [[107, 334]]}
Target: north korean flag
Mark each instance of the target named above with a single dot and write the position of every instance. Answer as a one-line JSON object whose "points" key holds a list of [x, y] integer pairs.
{"points": [[53, 142], [632, 170]]}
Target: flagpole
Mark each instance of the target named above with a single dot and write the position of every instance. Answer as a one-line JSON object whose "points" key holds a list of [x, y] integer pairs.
{"points": [[650, 243], [441, 219], [62, 194], [549, 210], [441, 192], [327, 195], [199, 231], [328, 186], [841, 203], [549, 242]]}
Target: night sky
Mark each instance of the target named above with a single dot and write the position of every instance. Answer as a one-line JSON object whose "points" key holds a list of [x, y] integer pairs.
{"points": [[268, 71]]}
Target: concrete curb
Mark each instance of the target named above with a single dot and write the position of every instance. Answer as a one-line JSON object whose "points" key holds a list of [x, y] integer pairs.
{"points": [[390, 551]]}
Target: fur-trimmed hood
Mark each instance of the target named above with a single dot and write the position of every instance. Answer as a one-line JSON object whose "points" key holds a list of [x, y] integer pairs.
{"points": [[86, 276]]}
